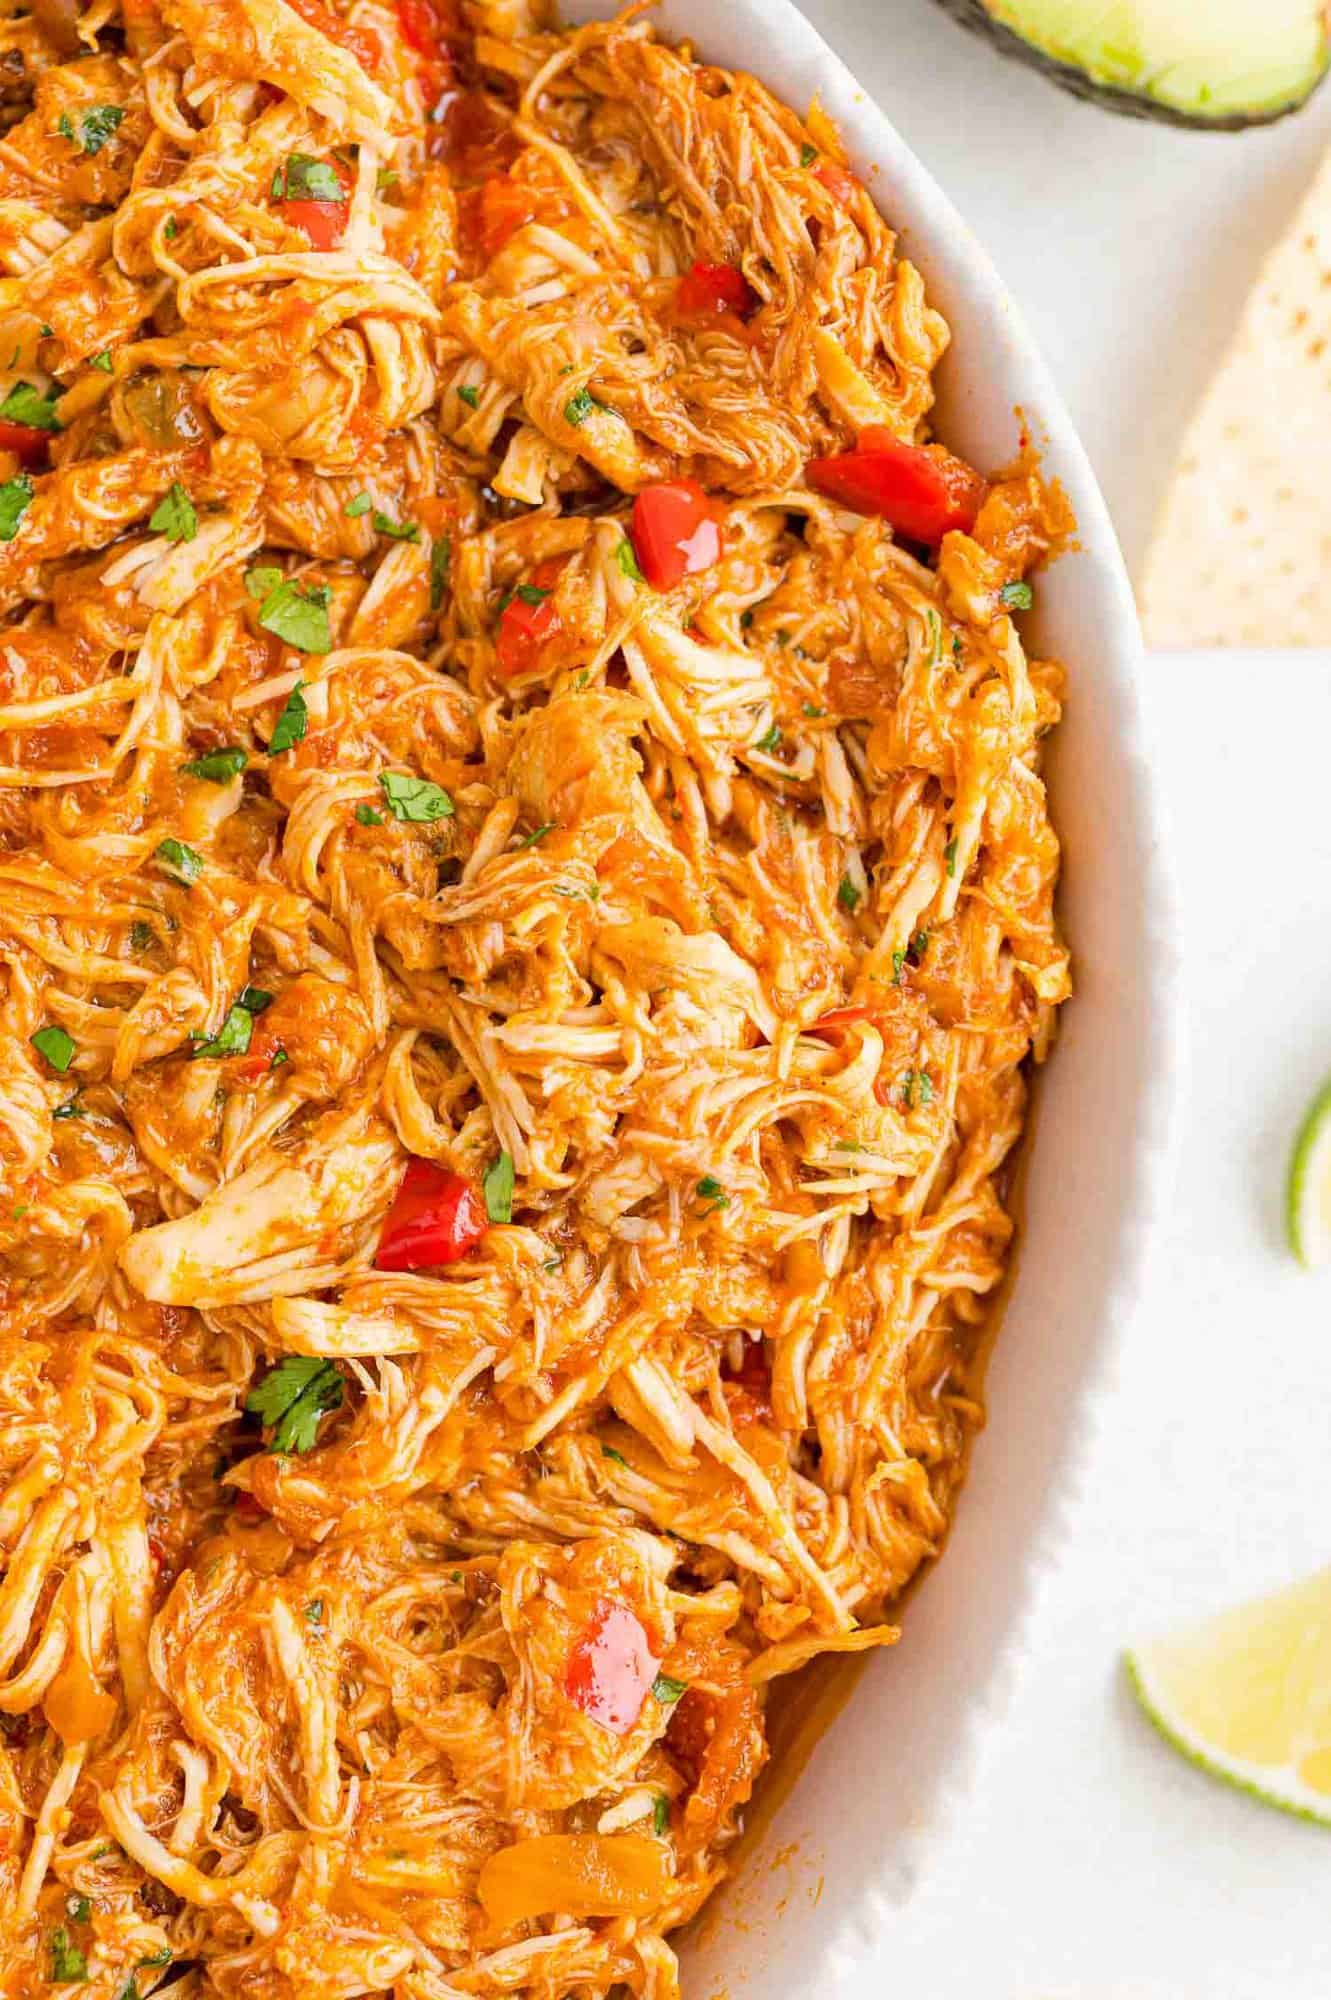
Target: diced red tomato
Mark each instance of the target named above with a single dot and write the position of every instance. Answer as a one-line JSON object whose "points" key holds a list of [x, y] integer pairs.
{"points": [[28, 444], [324, 222], [840, 183], [714, 288], [354, 40], [611, 1668], [258, 1058], [492, 212], [529, 619], [676, 531], [524, 628], [436, 1218], [922, 490]]}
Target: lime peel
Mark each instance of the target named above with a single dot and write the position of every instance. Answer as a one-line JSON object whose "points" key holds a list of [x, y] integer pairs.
{"points": [[1308, 1187], [1258, 1676]]}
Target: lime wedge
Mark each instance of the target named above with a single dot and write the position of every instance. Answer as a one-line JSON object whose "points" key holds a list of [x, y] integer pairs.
{"points": [[1246, 1696], [1308, 1189]]}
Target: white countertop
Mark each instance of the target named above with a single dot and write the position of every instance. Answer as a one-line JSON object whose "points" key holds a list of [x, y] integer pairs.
{"points": [[1087, 1862]]}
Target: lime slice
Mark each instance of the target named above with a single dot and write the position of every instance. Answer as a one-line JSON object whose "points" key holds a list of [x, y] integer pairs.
{"points": [[1246, 1696], [1308, 1189]]}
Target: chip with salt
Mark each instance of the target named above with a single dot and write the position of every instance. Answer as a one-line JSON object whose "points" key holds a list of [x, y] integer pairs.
{"points": [[1241, 554]]}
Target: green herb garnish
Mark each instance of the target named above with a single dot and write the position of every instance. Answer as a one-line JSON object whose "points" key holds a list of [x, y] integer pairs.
{"points": [[497, 1187], [367, 816], [711, 1191], [293, 1397], [400, 531], [667, 1691], [103, 361], [185, 863], [1017, 596], [306, 179], [628, 561], [26, 405], [219, 767], [298, 613], [416, 799], [174, 515], [99, 125], [950, 857], [15, 500], [469, 395], [769, 740], [608, 1451], [660, 1814], [68, 1963], [531, 839], [808, 154], [579, 407], [291, 724], [848, 895]]}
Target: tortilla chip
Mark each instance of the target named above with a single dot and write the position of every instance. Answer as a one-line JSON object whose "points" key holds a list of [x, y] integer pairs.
{"points": [[1241, 554]]}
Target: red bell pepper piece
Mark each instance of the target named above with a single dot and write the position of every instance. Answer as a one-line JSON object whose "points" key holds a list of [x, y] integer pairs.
{"points": [[436, 1218], [676, 531], [922, 490], [714, 288], [840, 183], [28, 444], [611, 1668]]}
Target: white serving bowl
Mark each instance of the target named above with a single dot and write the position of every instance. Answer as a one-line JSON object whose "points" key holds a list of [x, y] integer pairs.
{"points": [[829, 1856]]}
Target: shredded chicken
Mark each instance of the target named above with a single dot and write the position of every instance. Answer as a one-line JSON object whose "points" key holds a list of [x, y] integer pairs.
{"points": [[391, 1612]]}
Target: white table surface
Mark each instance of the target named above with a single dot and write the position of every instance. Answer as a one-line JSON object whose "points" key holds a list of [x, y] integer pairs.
{"points": [[1088, 1863]]}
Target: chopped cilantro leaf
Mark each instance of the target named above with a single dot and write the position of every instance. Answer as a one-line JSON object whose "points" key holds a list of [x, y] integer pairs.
{"points": [[848, 895], [359, 504], [950, 857], [415, 798], [367, 816], [531, 839], [497, 1187], [916, 1088], [174, 515], [99, 125], [399, 531], [291, 724], [15, 499], [263, 581], [298, 613], [56, 1045], [660, 1814], [255, 999], [808, 154], [469, 395], [68, 1963], [292, 1398], [628, 561], [769, 740], [608, 1451], [233, 1037], [185, 863], [306, 179], [579, 407], [26, 405], [1017, 596], [103, 361], [711, 1191], [666, 1691], [219, 767]]}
